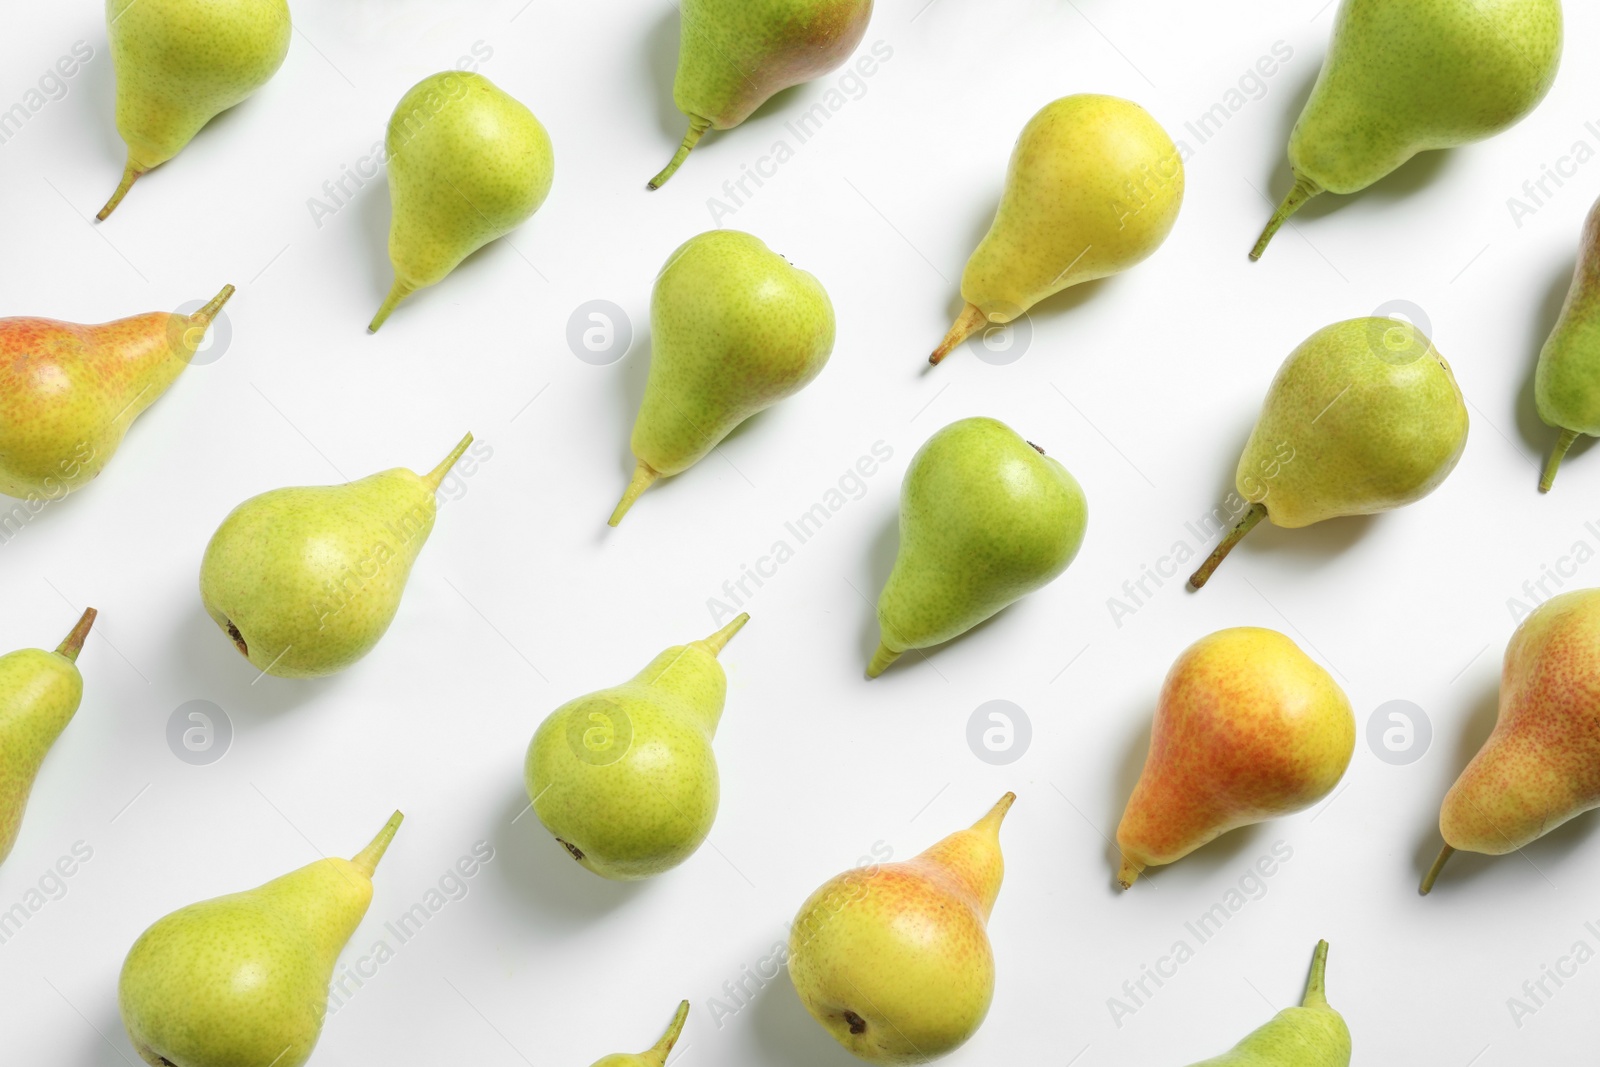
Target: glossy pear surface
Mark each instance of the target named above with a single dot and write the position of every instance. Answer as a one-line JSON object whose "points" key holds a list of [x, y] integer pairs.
{"points": [[1248, 728], [68, 393], [468, 164], [1093, 187], [306, 580], [625, 778], [1311, 1035], [1407, 76], [39, 693], [734, 328], [656, 1055], [180, 63], [243, 979], [894, 959], [985, 519], [733, 55], [1566, 385]]}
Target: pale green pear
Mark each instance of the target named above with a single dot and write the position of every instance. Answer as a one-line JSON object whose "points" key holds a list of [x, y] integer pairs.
{"points": [[1311, 1035], [1365, 416], [306, 580], [242, 980], [468, 164], [625, 778], [656, 1055], [985, 519], [69, 393], [39, 694], [734, 329], [1566, 385], [1093, 187], [179, 64], [893, 959], [1409, 76], [733, 55]]}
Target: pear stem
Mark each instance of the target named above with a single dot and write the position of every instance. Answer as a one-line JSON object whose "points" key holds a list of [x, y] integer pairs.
{"points": [[367, 859], [1304, 189], [881, 660], [719, 640], [204, 316], [659, 1050], [997, 814], [697, 128], [966, 325], [130, 174], [1127, 874], [435, 477], [398, 292], [74, 640], [644, 477], [1317, 985], [1433, 872], [1557, 454], [1200, 577]]}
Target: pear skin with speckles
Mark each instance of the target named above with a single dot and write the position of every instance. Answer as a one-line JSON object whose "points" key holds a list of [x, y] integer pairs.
{"points": [[468, 163], [1566, 383], [1248, 728], [306, 580], [39, 694], [985, 518], [68, 393], [1311, 1034], [243, 979], [734, 328], [656, 1055], [1409, 76], [625, 778], [894, 959]]}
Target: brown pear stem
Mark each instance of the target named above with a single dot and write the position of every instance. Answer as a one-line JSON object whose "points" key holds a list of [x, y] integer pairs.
{"points": [[1127, 874], [397, 292], [1433, 872], [1557, 454], [204, 316], [881, 660], [719, 640], [1200, 577], [1304, 189], [965, 326], [1317, 985], [697, 128], [130, 174], [435, 477], [74, 640], [997, 814], [658, 1051], [644, 476], [367, 859]]}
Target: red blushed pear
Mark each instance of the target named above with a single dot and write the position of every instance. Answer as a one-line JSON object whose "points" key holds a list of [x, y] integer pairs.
{"points": [[894, 960], [1248, 728], [1541, 765]]}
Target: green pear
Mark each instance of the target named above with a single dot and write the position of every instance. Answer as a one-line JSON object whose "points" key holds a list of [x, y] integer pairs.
{"points": [[179, 64], [1093, 187], [306, 580], [39, 693], [1566, 385], [625, 778], [242, 980], [985, 519], [656, 1055], [467, 165], [1538, 769], [1409, 76], [1363, 417], [1312, 1035], [734, 329], [894, 959], [733, 55], [68, 393]]}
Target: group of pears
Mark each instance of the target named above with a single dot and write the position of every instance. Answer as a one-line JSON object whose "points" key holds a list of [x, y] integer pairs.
{"points": [[893, 960]]}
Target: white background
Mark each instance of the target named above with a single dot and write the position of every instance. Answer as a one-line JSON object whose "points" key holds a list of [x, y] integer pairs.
{"points": [[1145, 386]]}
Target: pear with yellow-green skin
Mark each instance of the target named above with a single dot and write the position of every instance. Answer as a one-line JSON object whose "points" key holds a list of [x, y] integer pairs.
{"points": [[655, 1055], [1093, 188], [1310, 1035]]}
